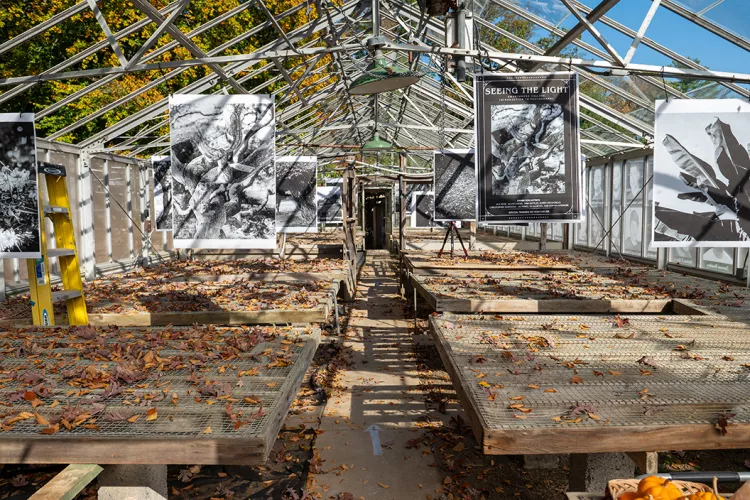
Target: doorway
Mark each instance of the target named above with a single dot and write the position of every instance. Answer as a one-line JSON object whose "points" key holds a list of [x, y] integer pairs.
{"points": [[376, 216]]}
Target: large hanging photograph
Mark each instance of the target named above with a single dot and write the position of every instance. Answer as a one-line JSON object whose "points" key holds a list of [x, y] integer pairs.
{"points": [[19, 192], [528, 154], [296, 208], [162, 166], [702, 173], [329, 205], [455, 185], [223, 171]]}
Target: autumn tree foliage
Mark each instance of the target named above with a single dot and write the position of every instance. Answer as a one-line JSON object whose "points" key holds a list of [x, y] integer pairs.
{"points": [[72, 39]]}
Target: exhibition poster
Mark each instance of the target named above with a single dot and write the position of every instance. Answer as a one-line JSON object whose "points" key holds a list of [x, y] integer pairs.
{"points": [[528, 147], [223, 171]]}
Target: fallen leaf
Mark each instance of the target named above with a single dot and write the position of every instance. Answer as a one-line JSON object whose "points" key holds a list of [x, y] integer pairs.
{"points": [[576, 380], [41, 420], [134, 418], [207, 430], [51, 430], [459, 447], [152, 415], [383, 485]]}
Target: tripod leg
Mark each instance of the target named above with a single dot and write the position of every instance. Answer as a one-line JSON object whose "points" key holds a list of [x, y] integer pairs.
{"points": [[466, 254], [440, 253]]}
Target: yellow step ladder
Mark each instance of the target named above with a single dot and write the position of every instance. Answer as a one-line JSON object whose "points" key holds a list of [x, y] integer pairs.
{"points": [[42, 296]]}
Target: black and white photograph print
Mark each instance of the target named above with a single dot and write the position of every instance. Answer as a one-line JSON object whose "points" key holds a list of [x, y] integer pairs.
{"points": [[296, 208], [223, 171], [423, 209], [329, 205], [415, 187], [19, 194], [455, 185], [702, 173], [162, 166], [528, 147]]}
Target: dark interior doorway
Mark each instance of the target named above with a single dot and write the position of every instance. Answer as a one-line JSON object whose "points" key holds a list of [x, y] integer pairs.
{"points": [[375, 216]]}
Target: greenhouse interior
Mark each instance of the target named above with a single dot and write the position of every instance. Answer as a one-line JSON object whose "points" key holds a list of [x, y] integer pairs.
{"points": [[381, 249]]}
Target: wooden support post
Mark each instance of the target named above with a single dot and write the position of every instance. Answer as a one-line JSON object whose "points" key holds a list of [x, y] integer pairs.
{"points": [[2, 279], [566, 236], [543, 236], [646, 461], [402, 218], [347, 206], [472, 235]]}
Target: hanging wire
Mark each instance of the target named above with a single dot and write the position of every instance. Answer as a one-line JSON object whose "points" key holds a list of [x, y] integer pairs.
{"points": [[664, 81]]}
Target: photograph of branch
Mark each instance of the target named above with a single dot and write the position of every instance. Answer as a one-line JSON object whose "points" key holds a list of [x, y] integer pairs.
{"points": [[702, 173], [162, 166], [19, 195], [223, 171], [527, 149], [329, 205], [296, 209], [455, 185]]}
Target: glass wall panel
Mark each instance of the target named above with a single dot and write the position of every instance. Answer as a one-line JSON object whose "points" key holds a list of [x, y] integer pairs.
{"points": [[650, 252], [633, 219], [719, 260], [683, 256], [596, 202], [616, 209]]}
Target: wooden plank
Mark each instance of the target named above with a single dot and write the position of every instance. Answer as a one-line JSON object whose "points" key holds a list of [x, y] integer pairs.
{"points": [[580, 306], [290, 392], [273, 316], [468, 266], [424, 293], [68, 483], [132, 450], [476, 421], [611, 439]]}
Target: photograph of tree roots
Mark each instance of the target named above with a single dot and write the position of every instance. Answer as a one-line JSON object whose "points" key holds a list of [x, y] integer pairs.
{"points": [[374, 249]]}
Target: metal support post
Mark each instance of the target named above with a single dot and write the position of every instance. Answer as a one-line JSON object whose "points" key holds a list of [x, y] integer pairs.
{"points": [[87, 251]]}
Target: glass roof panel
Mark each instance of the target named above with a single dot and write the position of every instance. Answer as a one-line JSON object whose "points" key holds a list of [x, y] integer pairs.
{"points": [[553, 11], [732, 15]]}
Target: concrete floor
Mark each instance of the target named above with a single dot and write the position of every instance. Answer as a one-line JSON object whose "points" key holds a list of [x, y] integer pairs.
{"points": [[366, 427]]}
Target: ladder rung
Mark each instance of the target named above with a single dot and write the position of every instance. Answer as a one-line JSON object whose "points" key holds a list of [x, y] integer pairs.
{"points": [[48, 209], [65, 295], [60, 252]]}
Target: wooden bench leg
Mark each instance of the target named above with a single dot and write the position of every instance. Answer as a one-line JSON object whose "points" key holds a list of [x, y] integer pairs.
{"points": [[646, 461]]}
